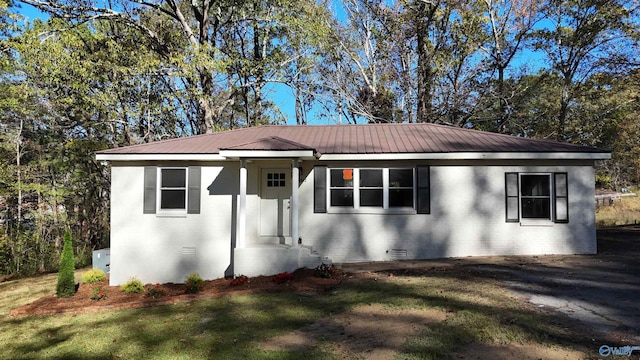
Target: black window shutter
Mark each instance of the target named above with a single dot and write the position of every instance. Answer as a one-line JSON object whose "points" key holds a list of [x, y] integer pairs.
{"points": [[320, 189], [193, 192], [149, 202], [512, 189], [423, 201], [560, 198]]}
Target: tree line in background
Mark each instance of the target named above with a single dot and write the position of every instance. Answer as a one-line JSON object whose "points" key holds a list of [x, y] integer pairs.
{"points": [[96, 75]]}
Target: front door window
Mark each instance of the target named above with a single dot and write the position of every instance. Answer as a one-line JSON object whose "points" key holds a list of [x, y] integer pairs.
{"points": [[276, 179]]}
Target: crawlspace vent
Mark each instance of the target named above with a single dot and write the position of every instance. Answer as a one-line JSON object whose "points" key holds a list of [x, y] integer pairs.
{"points": [[398, 254], [189, 250]]}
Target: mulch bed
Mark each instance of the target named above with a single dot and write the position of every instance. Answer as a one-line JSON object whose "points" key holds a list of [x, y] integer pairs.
{"points": [[304, 281]]}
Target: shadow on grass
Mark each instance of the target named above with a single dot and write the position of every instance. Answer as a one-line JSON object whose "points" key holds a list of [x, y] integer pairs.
{"points": [[232, 327], [478, 307]]}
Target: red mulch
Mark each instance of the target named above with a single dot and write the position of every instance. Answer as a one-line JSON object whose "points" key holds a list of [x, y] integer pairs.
{"points": [[304, 281]]}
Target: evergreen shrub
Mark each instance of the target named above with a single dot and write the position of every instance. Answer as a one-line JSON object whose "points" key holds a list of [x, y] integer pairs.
{"points": [[66, 286]]}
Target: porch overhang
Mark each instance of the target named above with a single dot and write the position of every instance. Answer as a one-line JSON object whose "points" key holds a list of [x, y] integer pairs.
{"points": [[268, 154], [295, 157], [272, 147]]}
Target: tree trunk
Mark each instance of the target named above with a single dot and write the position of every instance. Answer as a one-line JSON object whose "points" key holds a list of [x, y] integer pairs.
{"points": [[259, 54], [206, 118], [19, 172], [564, 110], [424, 17], [503, 106]]}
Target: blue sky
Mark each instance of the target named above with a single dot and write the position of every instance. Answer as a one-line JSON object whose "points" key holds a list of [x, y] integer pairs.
{"points": [[30, 13]]}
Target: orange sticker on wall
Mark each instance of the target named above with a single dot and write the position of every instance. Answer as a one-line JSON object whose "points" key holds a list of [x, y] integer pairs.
{"points": [[347, 174]]}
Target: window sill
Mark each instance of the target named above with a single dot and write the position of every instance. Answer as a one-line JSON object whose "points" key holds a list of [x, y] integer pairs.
{"points": [[533, 222], [364, 210], [165, 214]]}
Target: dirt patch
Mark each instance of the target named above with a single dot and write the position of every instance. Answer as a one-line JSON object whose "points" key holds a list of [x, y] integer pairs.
{"points": [[304, 281], [516, 351], [376, 332], [370, 331]]}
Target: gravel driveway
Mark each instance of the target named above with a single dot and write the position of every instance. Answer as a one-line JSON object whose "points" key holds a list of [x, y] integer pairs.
{"points": [[602, 291]]}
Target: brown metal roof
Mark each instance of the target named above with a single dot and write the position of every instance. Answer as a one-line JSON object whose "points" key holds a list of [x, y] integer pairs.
{"points": [[272, 143], [353, 139]]}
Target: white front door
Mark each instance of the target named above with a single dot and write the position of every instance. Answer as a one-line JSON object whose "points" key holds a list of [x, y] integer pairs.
{"points": [[275, 195]]}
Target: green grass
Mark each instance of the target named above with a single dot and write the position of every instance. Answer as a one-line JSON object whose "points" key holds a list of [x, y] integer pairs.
{"points": [[20, 291], [623, 212], [233, 326]]}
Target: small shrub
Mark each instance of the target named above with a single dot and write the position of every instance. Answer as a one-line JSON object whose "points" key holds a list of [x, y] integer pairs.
{"points": [[194, 283], [282, 278], [326, 271], [133, 286], [155, 291], [239, 280], [66, 286], [98, 293], [93, 276]]}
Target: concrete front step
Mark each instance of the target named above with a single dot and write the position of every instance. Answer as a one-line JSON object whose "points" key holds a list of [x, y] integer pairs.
{"points": [[310, 262], [270, 259], [310, 258]]}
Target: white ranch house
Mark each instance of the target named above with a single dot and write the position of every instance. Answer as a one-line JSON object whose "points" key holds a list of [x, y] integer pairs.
{"points": [[268, 199]]}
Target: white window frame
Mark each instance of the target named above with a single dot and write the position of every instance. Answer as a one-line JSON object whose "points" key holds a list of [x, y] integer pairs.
{"points": [[385, 209], [536, 221], [171, 212]]}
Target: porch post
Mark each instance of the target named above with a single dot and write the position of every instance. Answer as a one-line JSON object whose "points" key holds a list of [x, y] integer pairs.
{"points": [[242, 206], [295, 182]]}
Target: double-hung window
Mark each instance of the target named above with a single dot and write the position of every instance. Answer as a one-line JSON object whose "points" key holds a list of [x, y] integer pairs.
{"points": [[341, 185], [171, 190], [536, 197], [370, 188], [401, 187]]}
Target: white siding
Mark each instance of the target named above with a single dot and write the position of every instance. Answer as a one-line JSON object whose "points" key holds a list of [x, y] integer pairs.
{"points": [[467, 219], [161, 249]]}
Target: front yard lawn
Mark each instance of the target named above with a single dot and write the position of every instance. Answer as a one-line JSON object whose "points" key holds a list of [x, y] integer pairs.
{"points": [[463, 314]]}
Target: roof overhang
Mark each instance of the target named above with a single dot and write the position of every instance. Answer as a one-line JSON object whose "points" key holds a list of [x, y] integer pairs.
{"points": [[472, 156], [222, 156], [311, 155], [159, 157]]}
